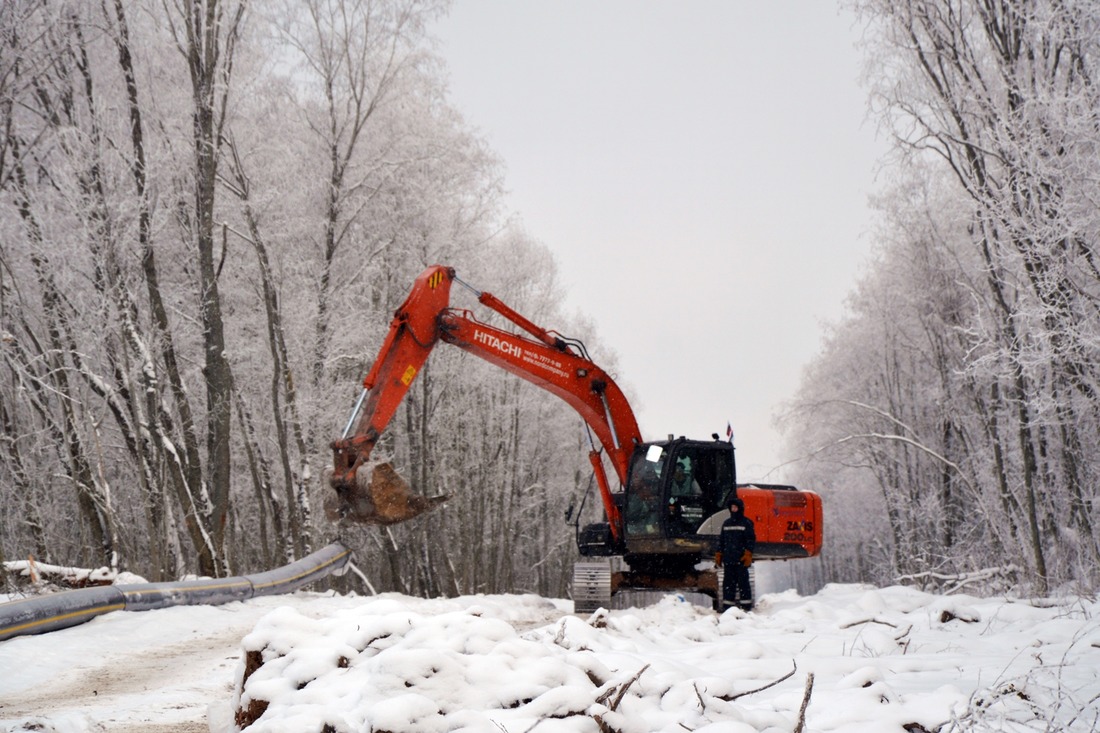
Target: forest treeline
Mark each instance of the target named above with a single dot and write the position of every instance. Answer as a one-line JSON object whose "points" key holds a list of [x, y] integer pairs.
{"points": [[209, 211], [952, 417]]}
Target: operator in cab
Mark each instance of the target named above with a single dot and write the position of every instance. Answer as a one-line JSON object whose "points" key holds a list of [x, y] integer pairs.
{"points": [[683, 484], [735, 547]]}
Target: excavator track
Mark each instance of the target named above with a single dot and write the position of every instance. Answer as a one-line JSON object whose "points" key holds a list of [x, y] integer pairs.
{"points": [[591, 585], [594, 579]]}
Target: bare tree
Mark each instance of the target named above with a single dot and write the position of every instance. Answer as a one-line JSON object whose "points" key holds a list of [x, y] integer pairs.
{"points": [[145, 140], [994, 101], [206, 32]]}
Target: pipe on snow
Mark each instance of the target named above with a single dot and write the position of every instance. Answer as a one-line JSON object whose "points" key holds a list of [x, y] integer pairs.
{"points": [[42, 614]]}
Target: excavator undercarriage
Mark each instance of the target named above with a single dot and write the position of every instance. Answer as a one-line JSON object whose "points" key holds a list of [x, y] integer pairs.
{"points": [[608, 582]]}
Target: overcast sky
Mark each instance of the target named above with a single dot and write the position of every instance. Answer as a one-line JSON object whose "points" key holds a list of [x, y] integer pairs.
{"points": [[700, 170]]}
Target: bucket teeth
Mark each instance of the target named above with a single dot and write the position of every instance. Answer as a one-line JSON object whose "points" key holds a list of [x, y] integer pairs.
{"points": [[383, 499]]}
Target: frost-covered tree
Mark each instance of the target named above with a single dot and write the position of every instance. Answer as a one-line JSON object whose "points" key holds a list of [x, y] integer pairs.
{"points": [[209, 211], [995, 105]]}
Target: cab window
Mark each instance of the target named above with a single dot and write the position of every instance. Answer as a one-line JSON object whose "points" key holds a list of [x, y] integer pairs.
{"points": [[643, 496], [701, 476]]}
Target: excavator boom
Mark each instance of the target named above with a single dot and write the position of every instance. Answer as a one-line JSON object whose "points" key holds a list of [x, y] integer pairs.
{"points": [[425, 318]]}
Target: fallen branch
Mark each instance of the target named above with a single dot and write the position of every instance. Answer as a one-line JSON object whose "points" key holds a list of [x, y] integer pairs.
{"points": [[699, 695], [619, 691], [731, 698], [954, 582], [805, 703], [869, 621], [626, 686], [604, 727], [362, 576], [46, 577]]}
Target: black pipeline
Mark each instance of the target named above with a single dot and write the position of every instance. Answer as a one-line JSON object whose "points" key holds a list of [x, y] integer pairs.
{"points": [[41, 614]]}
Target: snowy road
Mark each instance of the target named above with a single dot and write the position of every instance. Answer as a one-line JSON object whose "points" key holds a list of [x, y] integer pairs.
{"points": [[151, 671], [883, 660]]}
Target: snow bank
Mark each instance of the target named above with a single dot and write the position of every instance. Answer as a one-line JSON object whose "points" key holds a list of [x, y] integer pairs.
{"points": [[890, 659]]}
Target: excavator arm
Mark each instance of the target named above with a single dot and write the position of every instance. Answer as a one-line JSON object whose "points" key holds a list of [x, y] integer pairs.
{"points": [[544, 358], [383, 497]]}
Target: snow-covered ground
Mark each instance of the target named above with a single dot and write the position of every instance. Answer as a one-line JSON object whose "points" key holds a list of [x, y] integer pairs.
{"points": [[892, 659]]}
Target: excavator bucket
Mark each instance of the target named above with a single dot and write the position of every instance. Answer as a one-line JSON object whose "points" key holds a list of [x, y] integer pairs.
{"points": [[383, 499]]}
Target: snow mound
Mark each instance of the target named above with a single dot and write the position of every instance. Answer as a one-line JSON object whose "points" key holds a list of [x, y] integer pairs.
{"points": [[891, 659], [409, 665]]}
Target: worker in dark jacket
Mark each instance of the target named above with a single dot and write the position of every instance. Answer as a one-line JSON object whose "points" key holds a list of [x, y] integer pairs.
{"points": [[735, 547]]}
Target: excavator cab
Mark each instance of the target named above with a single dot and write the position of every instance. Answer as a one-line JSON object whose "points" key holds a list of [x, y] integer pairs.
{"points": [[672, 492], [672, 488]]}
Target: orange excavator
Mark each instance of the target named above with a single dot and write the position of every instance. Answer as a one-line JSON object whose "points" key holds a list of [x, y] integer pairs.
{"points": [[661, 522]]}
